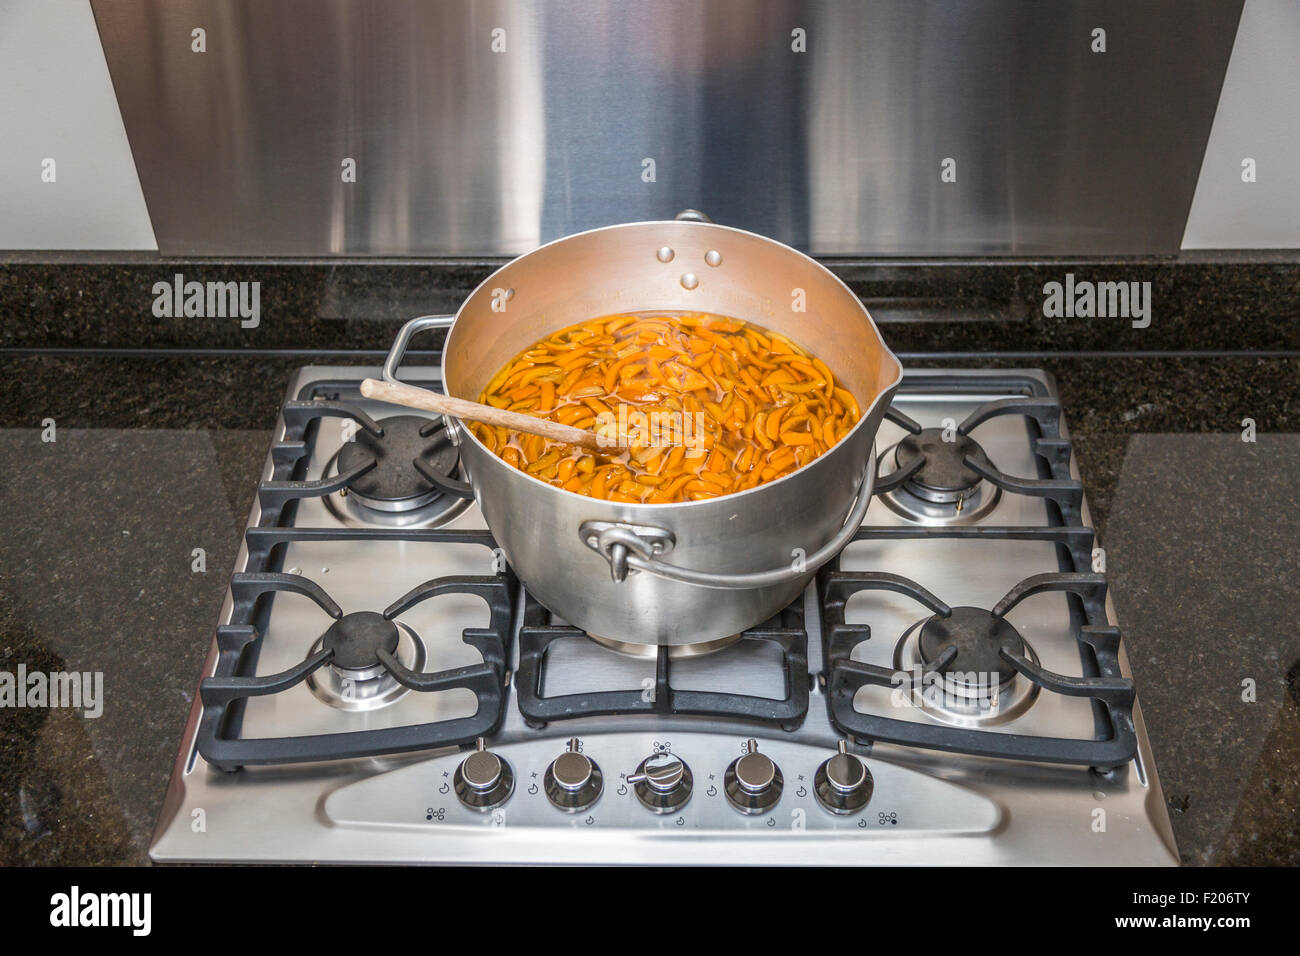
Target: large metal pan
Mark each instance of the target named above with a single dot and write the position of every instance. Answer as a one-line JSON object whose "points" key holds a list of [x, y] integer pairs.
{"points": [[692, 574]]}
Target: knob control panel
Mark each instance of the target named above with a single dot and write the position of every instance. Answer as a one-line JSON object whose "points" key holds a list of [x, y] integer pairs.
{"points": [[573, 781], [825, 792], [843, 784], [662, 782], [753, 782], [483, 781]]}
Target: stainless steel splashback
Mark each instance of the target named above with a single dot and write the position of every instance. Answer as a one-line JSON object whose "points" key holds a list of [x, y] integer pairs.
{"points": [[483, 128]]}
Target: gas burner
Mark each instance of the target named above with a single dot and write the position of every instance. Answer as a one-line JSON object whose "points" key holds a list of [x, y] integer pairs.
{"points": [[956, 670], [977, 638], [940, 486], [944, 477], [355, 678], [412, 483], [356, 640]]}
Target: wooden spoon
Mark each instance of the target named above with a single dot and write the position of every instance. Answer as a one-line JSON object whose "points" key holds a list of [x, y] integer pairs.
{"points": [[411, 396]]}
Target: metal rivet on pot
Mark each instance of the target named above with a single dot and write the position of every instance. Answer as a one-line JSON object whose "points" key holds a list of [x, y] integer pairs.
{"points": [[713, 257], [690, 280], [665, 254]]}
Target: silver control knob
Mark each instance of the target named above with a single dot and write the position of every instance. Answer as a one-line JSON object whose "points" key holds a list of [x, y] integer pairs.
{"points": [[573, 781], [483, 781], [663, 782], [753, 783], [843, 784]]}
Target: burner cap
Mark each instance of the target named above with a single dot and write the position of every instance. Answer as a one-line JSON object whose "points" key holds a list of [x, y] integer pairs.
{"points": [[944, 477], [394, 478], [356, 638], [978, 636]]}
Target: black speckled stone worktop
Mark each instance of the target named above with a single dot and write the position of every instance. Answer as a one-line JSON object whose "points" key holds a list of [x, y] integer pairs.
{"points": [[1247, 302], [157, 454]]}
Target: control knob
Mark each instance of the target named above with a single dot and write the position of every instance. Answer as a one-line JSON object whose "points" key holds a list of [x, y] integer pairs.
{"points": [[663, 782], [483, 781], [843, 784], [753, 783], [573, 781]]}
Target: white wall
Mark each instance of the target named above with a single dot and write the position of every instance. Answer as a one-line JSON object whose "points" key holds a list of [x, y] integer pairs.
{"points": [[1258, 118], [57, 102]]}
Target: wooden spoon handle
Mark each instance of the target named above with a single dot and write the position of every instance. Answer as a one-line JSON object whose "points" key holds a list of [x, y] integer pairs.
{"points": [[411, 396]]}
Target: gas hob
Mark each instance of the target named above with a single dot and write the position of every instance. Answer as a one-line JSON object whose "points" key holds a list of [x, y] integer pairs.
{"points": [[952, 689]]}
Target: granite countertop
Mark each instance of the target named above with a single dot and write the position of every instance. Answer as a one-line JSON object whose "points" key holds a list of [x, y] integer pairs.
{"points": [[156, 456]]}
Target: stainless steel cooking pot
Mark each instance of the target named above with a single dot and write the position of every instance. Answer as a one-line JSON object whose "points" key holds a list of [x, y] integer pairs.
{"points": [[692, 574]]}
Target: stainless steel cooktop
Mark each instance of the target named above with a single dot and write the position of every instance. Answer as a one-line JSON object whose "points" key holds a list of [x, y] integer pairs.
{"points": [[952, 690]]}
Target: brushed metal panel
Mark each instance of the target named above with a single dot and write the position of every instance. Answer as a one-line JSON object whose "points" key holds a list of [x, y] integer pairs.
{"points": [[463, 151], [1059, 150], [57, 103], [1258, 119]]}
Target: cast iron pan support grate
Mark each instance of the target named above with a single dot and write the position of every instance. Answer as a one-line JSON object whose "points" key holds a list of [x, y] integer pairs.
{"points": [[1059, 487], [1104, 683], [1114, 692], [786, 630], [233, 680], [300, 417]]}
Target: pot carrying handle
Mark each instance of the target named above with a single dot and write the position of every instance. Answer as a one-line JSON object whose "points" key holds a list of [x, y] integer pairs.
{"points": [[627, 545], [420, 324]]}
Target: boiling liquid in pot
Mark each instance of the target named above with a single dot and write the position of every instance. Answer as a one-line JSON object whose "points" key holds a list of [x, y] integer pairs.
{"points": [[710, 405]]}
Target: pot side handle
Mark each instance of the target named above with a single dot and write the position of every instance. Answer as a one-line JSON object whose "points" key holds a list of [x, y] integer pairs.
{"points": [[419, 324], [629, 546]]}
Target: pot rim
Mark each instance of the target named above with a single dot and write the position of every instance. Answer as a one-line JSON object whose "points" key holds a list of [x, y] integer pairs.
{"points": [[881, 393]]}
